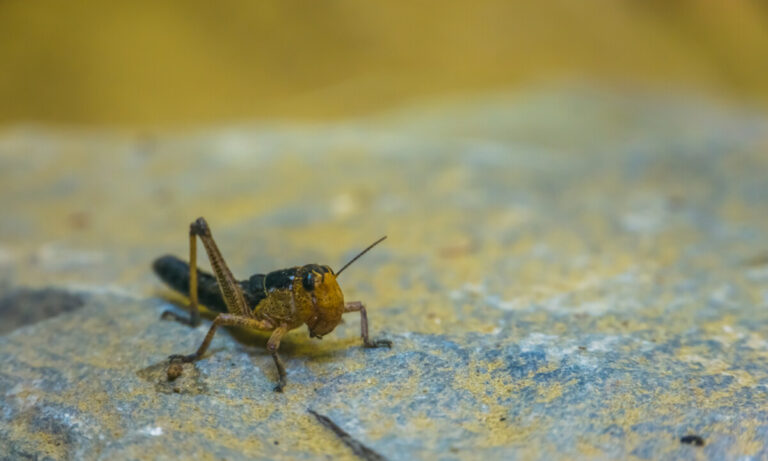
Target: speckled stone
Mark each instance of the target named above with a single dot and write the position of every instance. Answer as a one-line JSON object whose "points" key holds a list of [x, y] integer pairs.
{"points": [[569, 274]]}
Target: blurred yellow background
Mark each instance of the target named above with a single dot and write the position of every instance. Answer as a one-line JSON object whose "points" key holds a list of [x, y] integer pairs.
{"points": [[148, 63]]}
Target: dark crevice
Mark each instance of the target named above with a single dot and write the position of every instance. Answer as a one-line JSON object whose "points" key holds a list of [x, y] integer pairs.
{"points": [[26, 306]]}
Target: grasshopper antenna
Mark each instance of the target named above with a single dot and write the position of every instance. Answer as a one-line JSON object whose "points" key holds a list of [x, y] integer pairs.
{"points": [[360, 254]]}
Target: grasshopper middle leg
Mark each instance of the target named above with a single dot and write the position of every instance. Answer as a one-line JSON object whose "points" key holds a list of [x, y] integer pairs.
{"points": [[235, 320], [222, 320]]}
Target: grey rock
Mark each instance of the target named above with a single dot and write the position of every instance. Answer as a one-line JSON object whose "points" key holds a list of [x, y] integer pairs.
{"points": [[569, 275]]}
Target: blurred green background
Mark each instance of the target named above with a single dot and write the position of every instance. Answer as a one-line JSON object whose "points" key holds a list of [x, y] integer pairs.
{"points": [[176, 63]]}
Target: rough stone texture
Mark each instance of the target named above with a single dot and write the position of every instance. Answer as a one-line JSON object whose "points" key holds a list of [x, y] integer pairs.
{"points": [[24, 307], [568, 275]]}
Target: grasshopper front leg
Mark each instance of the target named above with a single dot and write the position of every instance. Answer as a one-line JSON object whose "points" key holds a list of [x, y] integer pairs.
{"points": [[357, 306]]}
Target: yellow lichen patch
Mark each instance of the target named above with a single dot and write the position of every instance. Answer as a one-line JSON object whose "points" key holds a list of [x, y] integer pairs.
{"points": [[302, 433], [589, 449], [549, 393], [491, 424], [491, 432], [403, 389], [748, 443]]}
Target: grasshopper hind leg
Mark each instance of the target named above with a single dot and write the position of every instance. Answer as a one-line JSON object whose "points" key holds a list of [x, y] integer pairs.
{"points": [[232, 294], [193, 319]]}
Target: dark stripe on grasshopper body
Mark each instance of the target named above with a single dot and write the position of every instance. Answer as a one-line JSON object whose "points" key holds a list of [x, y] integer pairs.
{"points": [[175, 273], [280, 279]]}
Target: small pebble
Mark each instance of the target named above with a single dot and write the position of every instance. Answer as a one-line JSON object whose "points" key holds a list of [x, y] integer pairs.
{"points": [[174, 371], [692, 440]]}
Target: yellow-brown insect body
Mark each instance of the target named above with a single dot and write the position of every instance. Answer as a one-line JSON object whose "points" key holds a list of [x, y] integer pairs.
{"points": [[278, 301], [301, 295]]}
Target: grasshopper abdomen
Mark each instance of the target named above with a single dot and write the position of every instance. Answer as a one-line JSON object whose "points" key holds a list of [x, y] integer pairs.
{"points": [[175, 273]]}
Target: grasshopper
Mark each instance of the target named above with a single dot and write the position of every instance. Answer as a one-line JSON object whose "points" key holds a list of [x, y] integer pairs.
{"points": [[278, 301]]}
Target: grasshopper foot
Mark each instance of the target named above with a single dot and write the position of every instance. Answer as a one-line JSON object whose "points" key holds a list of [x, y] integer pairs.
{"points": [[378, 343], [280, 386], [182, 358]]}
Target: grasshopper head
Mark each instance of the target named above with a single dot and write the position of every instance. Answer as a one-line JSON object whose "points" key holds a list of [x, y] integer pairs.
{"points": [[326, 296]]}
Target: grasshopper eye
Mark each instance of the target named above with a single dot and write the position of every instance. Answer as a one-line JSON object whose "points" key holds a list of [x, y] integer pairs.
{"points": [[308, 281]]}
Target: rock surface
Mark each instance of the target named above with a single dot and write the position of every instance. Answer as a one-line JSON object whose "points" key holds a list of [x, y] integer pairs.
{"points": [[568, 275]]}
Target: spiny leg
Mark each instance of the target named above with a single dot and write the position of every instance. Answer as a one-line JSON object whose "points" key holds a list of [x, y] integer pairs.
{"points": [[194, 312], [222, 320], [239, 313], [230, 289], [357, 306], [272, 345]]}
